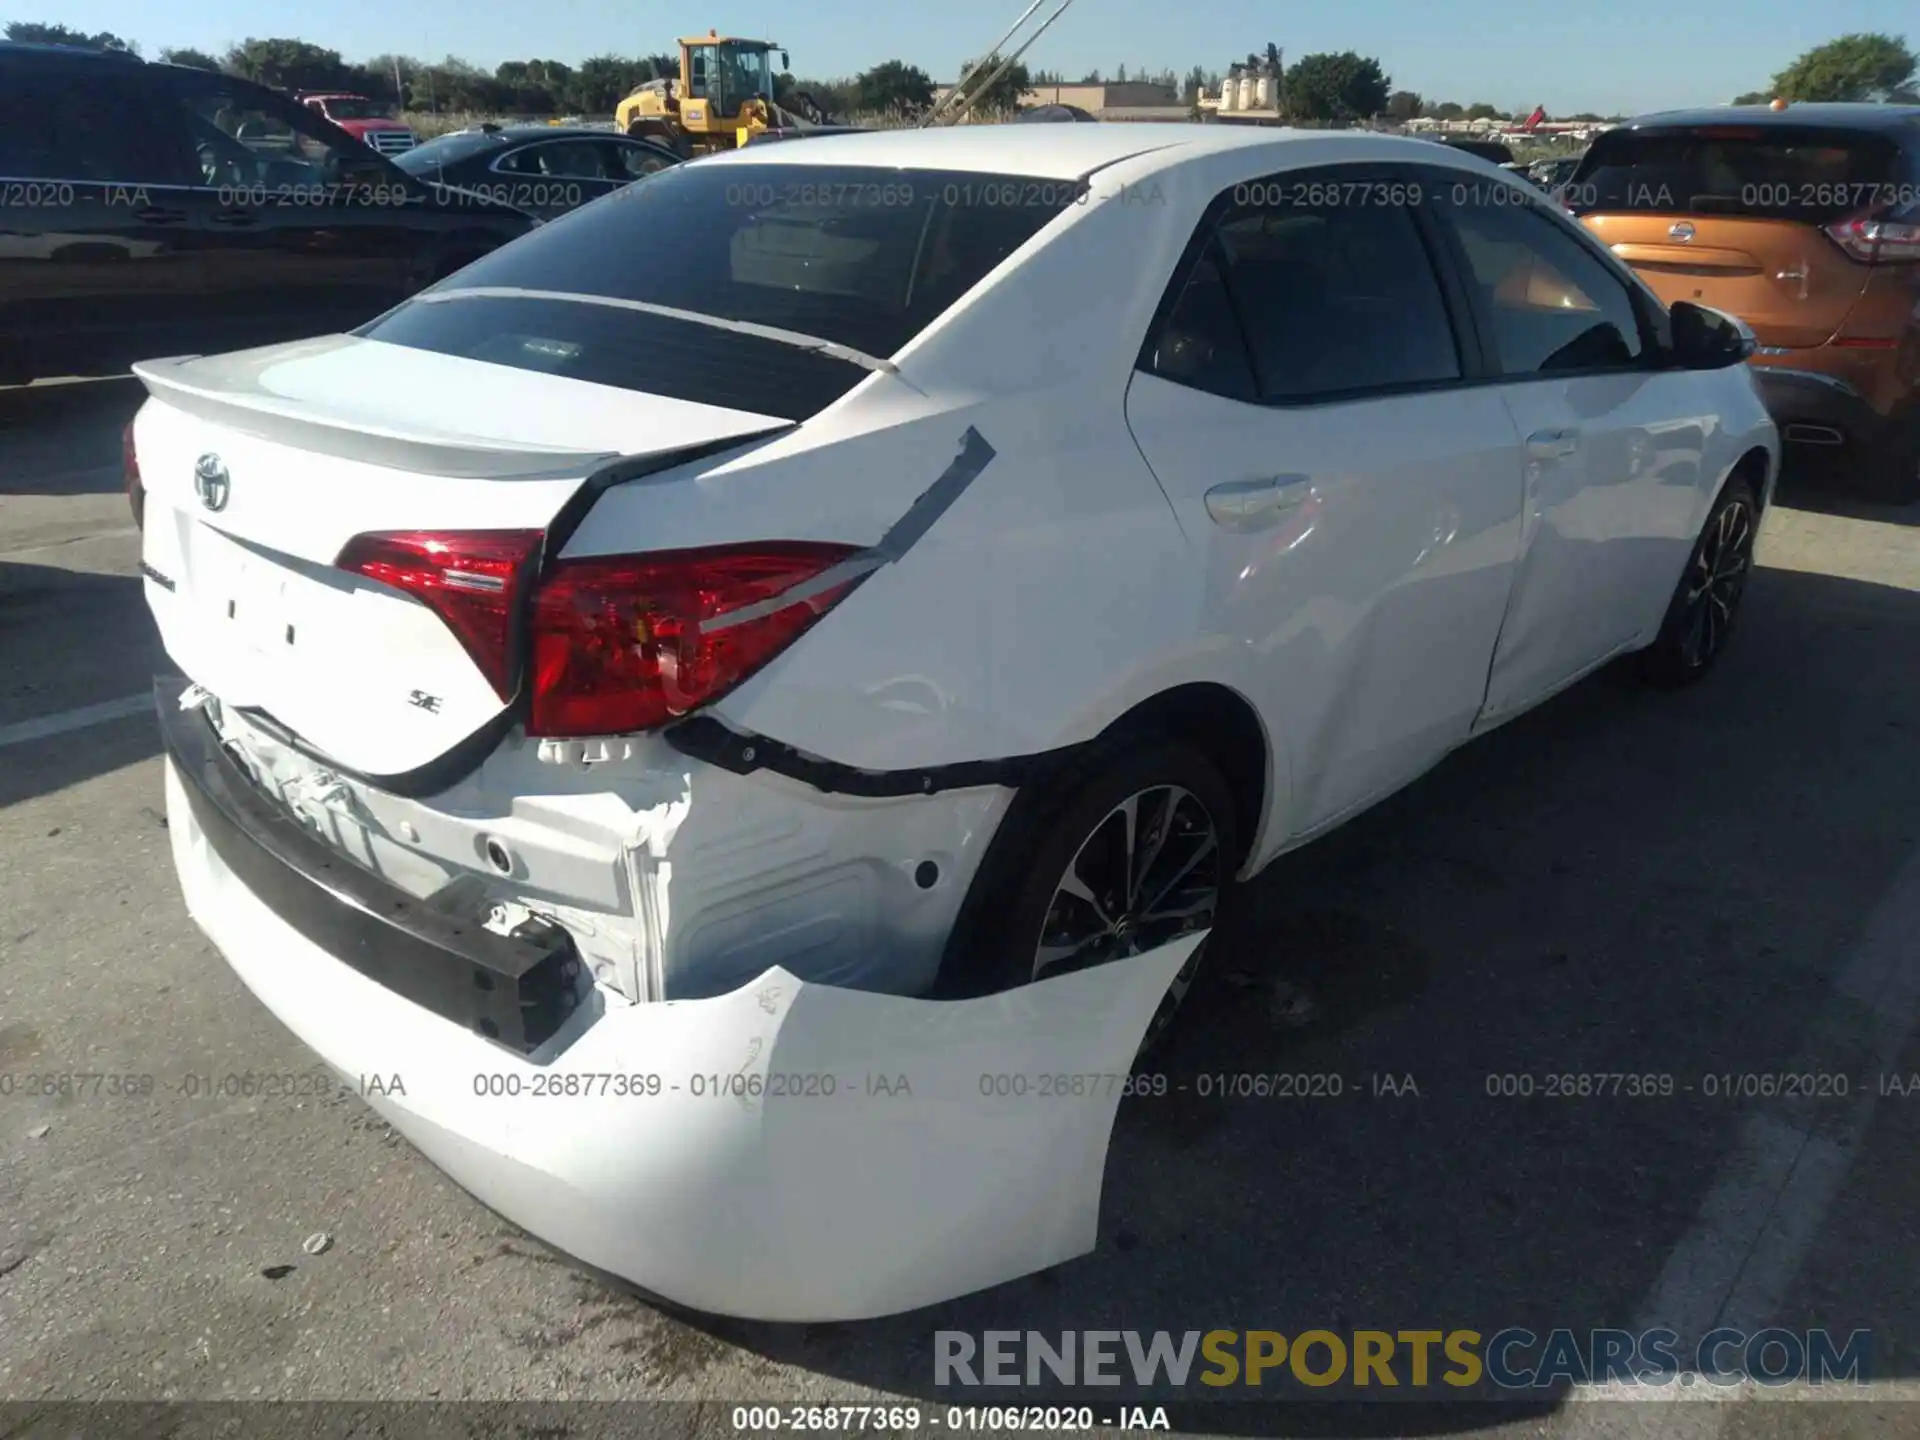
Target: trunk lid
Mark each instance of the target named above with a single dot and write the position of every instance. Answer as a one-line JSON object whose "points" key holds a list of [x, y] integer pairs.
{"points": [[1733, 216], [259, 467]]}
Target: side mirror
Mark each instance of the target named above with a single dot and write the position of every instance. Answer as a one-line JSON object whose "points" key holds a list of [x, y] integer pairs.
{"points": [[785, 62], [1709, 339]]}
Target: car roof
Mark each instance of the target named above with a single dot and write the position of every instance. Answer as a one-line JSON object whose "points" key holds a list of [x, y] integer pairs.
{"points": [[63, 52], [552, 132], [519, 134], [1055, 152], [1858, 116]]}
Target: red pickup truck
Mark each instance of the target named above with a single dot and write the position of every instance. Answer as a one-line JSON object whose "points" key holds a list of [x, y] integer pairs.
{"points": [[369, 121]]}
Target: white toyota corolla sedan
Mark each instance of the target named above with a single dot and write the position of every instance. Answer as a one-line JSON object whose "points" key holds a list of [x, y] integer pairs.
{"points": [[723, 706]]}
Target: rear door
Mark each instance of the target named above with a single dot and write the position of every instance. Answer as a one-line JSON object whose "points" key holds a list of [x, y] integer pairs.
{"points": [[1731, 216], [1311, 406], [1613, 441], [98, 261]]}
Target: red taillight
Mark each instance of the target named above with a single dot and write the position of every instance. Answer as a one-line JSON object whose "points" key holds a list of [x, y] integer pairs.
{"points": [[627, 643], [473, 580], [1874, 240], [130, 477]]}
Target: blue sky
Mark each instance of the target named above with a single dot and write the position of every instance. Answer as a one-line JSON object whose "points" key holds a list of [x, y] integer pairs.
{"points": [[1602, 55]]}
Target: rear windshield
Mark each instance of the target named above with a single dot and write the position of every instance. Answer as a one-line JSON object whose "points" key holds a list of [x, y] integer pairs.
{"points": [[1814, 176], [861, 256]]}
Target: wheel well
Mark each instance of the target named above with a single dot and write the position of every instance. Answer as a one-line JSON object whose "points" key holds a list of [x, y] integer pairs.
{"points": [[1223, 725]]}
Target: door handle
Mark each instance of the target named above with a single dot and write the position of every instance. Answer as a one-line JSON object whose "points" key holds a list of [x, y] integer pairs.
{"points": [[154, 215], [1552, 444], [1249, 504], [234, 217]]}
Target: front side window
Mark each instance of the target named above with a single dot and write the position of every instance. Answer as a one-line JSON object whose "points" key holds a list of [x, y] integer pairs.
{"points": [[559, 159], [1555, 306]]}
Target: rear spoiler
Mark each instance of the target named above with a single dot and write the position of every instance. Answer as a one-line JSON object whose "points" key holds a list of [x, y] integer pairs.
{"points": [[227, 390]]}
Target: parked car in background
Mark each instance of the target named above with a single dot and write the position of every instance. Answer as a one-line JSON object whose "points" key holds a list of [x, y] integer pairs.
{"points": [[544, 169], [151, 209], [801, 132], [1551, 174], [1805, 223], [861, 587], [372, 122], [1490, 150]]}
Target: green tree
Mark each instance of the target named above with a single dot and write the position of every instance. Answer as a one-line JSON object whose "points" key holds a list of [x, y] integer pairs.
{"points": [[186, 55], [893, 85], [1345, 86], [1446, 110], [602, 81], [1480, 110], [288, 64], [1005, 92], [1195, 82], [28, 32], [1854, 67], [1403, 105]]}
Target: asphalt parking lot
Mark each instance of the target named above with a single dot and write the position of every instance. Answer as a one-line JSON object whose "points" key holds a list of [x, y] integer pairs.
{"points": [[1720, 882]]}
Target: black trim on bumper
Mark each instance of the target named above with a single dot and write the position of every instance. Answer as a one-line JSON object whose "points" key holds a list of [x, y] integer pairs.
{"points": [[516, 990], [701, 737]]}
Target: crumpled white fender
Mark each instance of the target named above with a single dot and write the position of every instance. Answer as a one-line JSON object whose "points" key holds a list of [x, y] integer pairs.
{"points": [[784, 1152]]}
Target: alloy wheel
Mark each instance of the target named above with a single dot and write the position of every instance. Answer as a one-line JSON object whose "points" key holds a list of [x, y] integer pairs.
{"points": [[1715, 581], [1150, 871]]}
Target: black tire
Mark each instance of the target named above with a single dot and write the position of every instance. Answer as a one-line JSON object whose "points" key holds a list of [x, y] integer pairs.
{"points": [[1893, 477], [1012, 903], [1707, 600]]}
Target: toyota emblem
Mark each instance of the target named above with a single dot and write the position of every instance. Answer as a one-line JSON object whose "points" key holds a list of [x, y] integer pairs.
{"points": [[1680, 230], [211, 482]]}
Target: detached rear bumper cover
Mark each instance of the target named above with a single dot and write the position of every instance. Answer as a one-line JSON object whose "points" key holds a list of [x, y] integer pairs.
{"points": [[785, 1152]]}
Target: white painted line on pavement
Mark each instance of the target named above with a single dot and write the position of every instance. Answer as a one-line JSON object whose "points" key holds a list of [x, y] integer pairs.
{"points": [[47, 725], [1736, 1264], [116, 533]]}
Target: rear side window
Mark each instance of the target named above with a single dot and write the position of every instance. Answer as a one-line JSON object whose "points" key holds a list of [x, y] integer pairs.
{"points": [[54, 126], [864, 257], [1333, 297], [1814, 175]]}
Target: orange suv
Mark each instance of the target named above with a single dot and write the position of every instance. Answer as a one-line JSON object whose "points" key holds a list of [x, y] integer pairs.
{"points": [[1805, 223]]}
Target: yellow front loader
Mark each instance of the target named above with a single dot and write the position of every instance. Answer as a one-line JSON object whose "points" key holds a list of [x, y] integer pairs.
{"points": [[722, 98]]}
